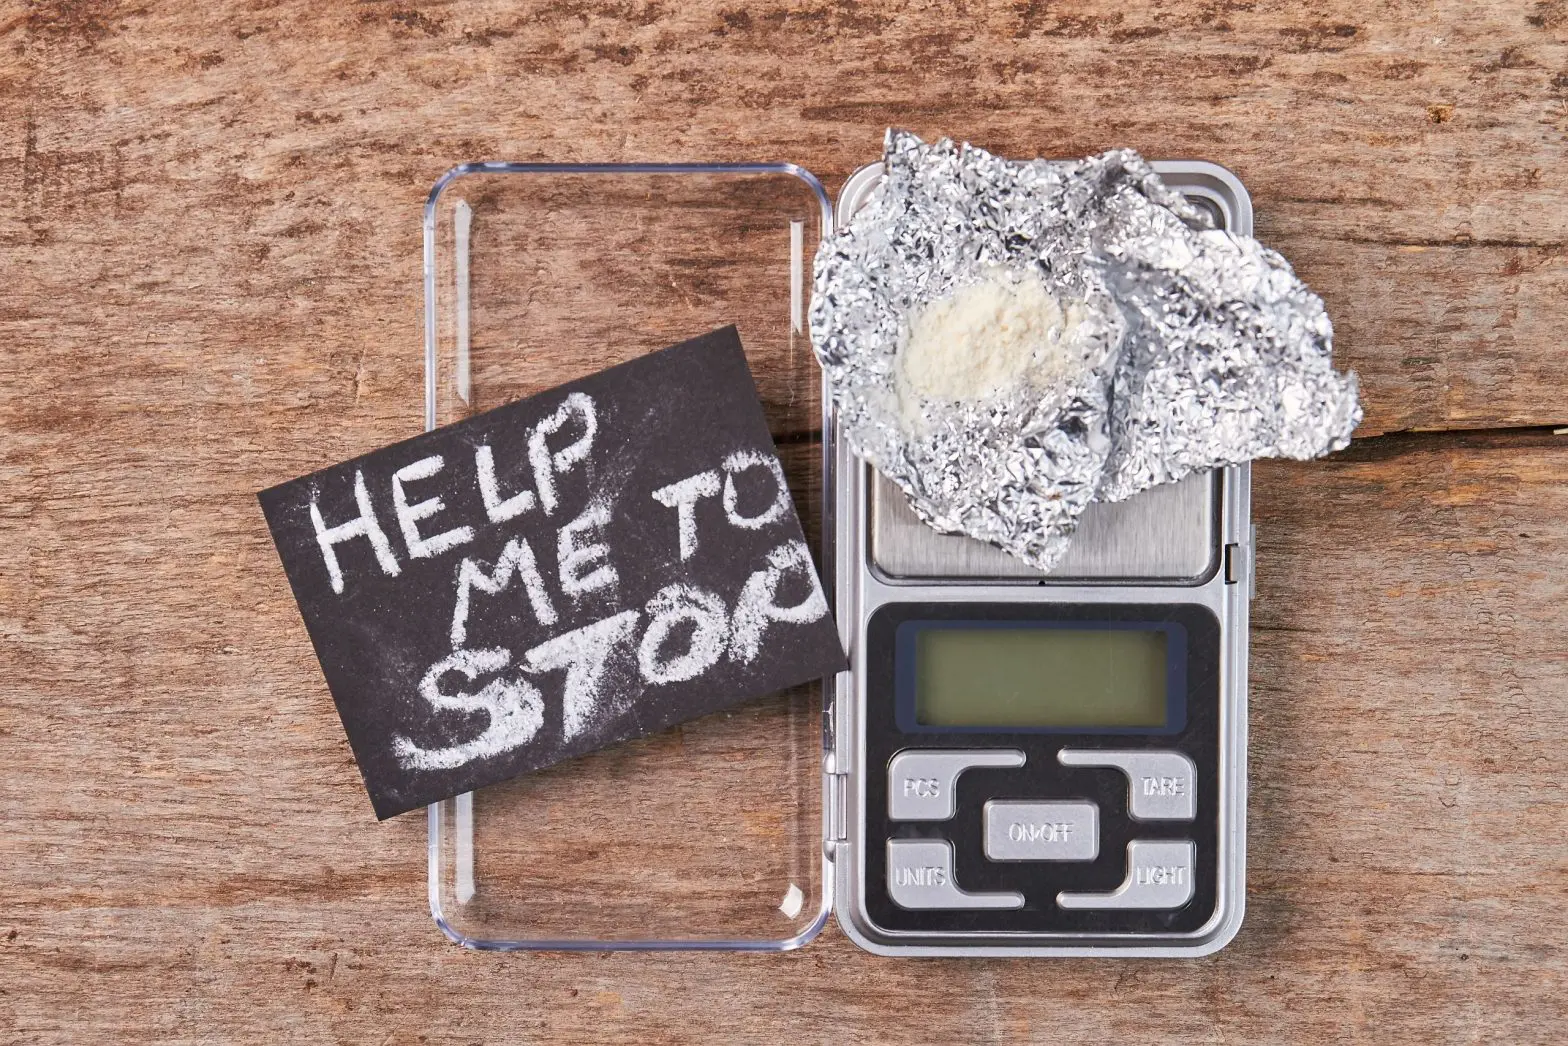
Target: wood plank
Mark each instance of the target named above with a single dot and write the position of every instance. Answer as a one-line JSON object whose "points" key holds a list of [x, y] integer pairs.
{"points": [[192, 857], [235, 190]]}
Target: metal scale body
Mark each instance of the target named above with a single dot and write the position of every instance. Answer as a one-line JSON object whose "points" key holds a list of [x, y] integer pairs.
{"points": [[1042, 841]]}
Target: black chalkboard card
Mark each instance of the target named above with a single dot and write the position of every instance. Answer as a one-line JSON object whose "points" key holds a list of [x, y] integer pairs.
{"points": [[592, 564]]}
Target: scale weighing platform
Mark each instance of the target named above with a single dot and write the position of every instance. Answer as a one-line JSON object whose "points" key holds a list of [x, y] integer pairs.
{"points": [[1031, 764]]}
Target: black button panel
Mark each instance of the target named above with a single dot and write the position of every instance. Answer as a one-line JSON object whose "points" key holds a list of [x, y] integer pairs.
{"points": [[1160, 872], [1092, 832]]}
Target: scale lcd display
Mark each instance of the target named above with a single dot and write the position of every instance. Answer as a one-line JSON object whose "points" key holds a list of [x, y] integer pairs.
{"points": [[1039, 677]]}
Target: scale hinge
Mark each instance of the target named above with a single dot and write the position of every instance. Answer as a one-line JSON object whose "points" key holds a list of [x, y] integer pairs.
{"points": [[1235, 563], [838, 807]]}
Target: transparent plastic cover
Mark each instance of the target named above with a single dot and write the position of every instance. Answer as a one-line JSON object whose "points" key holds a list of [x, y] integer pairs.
{"points": [[708, 835]]}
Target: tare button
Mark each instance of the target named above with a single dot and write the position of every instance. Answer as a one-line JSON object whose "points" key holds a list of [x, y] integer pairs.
{"points": [[921, 781], [1159, 878], [1161, 786]]}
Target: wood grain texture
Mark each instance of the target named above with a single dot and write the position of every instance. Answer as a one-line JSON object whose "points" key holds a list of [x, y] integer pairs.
{"points": [[211, 874], [210, 239]]}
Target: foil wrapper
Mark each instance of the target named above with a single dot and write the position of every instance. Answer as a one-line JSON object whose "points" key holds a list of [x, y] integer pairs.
{"points": [[1195, 347]]}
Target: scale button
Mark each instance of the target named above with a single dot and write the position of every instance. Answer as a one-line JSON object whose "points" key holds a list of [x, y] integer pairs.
{"points": [[1018, 830], [921, 781], [1159, 877], [920, 875], [1161, 786]]}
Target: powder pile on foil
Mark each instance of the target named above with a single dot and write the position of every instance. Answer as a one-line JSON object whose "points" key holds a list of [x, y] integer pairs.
{"points": [[1009, 341], [986, 337]]}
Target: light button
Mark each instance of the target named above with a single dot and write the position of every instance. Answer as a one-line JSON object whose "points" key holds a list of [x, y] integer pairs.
{"points": [[1161, 786], [1159, 878], [921, 781]]}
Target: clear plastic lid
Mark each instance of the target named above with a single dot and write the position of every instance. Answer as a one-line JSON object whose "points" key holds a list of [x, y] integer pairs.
{"points": [[708, 835]]}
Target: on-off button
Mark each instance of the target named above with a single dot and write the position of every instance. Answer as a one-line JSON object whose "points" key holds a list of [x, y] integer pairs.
{"points": [[1030, 830]]}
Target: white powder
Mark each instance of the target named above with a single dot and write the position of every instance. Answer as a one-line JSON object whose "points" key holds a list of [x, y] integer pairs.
{"points": [[517, 557], [514, 707], [758, 608], [574, 559], [987, 338], [583, 653], [682, 497], [674, 605], [740, 461]]}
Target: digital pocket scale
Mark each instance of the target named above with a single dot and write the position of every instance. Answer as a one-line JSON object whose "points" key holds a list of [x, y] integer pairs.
{"points": [[1016, 764], [1042, 765]]}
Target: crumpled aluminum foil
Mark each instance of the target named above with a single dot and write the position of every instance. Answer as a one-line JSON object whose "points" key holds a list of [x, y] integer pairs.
{"points": [[1200, 348]]}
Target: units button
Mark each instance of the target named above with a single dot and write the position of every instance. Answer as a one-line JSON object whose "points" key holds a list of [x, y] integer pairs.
{"points": [[1020, 830], [920, 876], [1161, 786], [921, 781], [1159, 878]]}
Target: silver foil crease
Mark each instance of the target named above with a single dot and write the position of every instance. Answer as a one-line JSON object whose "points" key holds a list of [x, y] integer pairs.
{"points": [[1201, 347]]}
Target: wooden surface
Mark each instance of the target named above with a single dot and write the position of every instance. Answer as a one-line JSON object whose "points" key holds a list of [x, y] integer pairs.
{"points": [[210, 230]]}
